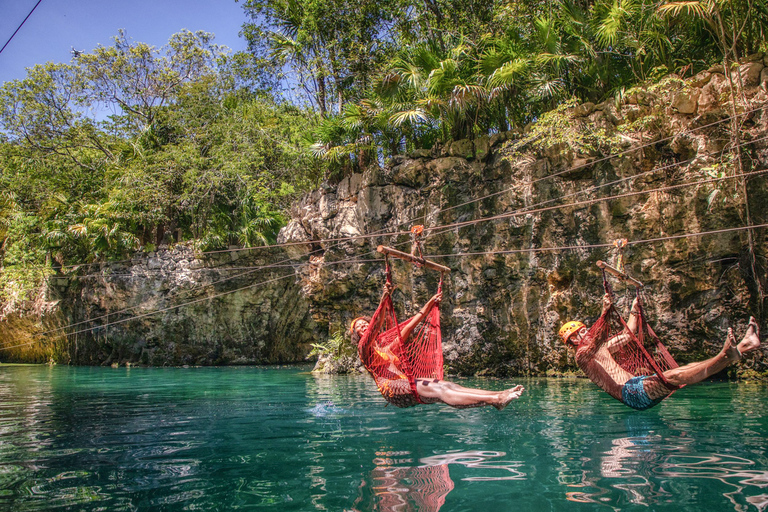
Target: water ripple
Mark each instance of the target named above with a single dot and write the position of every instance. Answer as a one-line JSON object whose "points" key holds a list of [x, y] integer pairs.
{"points": [[234, 438]]}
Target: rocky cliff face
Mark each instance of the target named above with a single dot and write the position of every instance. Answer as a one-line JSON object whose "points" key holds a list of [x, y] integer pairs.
{"points": [[176, 307], [520, 218]]}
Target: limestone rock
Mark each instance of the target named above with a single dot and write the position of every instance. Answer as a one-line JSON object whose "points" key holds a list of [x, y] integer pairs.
{"points": [[461, 148], [521, 244], [750, 73], [685, 101]]}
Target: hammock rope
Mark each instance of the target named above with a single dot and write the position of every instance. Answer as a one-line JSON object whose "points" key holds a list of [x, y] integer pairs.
{"points": [[394, 363], [644, 354], [638, 354]]}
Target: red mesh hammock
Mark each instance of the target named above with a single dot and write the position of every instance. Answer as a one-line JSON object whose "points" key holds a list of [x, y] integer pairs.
{"points": [[395, 365], [641, 354]]}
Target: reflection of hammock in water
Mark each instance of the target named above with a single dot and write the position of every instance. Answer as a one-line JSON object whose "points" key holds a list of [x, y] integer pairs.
{"points": [[395, 365], [404, 489], [643, 353], [424, 488]]}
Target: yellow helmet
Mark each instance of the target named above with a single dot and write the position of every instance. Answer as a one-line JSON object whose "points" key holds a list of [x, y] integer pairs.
{"points": [[569, 329]]}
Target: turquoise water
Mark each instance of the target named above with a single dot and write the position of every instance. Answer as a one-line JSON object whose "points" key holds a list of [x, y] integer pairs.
{"points": [[282, 439]]}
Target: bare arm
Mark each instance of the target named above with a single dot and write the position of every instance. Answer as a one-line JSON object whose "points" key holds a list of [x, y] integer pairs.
{"points": [[632, 320], [617, 342], [598, 363], [405, 332], [379, 320]]}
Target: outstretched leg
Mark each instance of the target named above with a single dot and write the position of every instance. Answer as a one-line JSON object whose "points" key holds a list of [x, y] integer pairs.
{"points": [[696, 372], [458, 396]]}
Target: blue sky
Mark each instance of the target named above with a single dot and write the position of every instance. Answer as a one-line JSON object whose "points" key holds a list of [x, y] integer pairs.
{"points": [[58, 25]]}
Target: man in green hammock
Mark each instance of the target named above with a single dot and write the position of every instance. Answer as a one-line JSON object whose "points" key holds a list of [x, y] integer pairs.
{"points": [[385, 356], [596, 359]]}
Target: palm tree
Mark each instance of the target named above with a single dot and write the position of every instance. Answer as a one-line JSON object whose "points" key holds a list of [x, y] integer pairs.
{"points": [[425, 86], [256, 223], [506, 71], [86, 231]]}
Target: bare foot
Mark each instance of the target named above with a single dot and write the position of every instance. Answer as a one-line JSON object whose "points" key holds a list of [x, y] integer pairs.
{"points": [[751, 339], [731, 352], [509, 395]]}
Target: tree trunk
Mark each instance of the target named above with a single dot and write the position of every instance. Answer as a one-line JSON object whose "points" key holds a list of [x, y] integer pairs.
{"points": [[321, 93], [432, 7]]}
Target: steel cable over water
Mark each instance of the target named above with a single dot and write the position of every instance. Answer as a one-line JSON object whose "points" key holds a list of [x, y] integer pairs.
{"points": [[451, 226], [509, 251], [559, 173], [441, 229]]}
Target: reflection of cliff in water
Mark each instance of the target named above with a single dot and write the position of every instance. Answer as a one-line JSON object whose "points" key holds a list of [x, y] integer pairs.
{"points": [[644, 467], [25, 412], [423, 488]]}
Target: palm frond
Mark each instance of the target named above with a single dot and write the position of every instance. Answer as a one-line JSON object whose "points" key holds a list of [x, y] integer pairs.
{"points": [[548, 87], [78, 230], [609, 25], [432, 102], [319, 149], [464, 95], [692, 8], [412, 117], [507, 74]]}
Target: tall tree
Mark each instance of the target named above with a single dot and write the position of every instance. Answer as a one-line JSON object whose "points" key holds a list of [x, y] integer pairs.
{"points": [[327, 48], [729, 21], [140, 79]]}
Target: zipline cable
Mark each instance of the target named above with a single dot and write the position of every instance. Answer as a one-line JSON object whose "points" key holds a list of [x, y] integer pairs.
{"points": [[497, 217], [453, 255], [600, 199], [449, 227], [20, 25], [610, 157], [523, 210], [454, 226], [397, 233], [597, 246], [163, 310]]}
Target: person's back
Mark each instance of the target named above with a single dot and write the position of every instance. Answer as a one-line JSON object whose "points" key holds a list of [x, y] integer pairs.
{"points": [[601, 368]]}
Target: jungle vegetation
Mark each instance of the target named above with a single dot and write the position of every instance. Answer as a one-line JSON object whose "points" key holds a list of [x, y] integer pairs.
{"points": [[129, 146]]}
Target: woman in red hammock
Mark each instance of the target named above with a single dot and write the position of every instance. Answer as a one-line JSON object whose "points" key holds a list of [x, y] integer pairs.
{"points": [[643, 392], [386, 359]]}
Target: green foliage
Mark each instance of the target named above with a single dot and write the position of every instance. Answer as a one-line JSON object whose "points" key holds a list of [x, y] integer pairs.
{"points": [[557, 128], [83, 231], [207, 146], [737, 27], [337, 347], [8, 209], [461, 70], [328, 48], [22, 267], [140, 79], [189, 154]]}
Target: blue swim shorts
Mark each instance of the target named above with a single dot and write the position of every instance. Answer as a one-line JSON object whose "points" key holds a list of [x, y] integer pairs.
{"points": [[633, 394]]}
